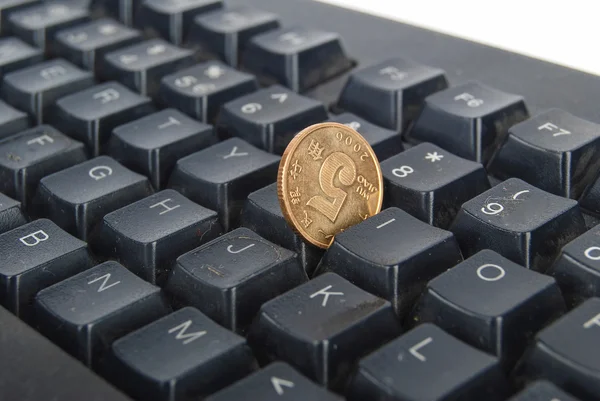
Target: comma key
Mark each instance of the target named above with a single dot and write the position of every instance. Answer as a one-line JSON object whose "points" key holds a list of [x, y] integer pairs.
{"points": [[392, 255], [422, 365], [87, 312], [229, 278], [185, 356], [499, 291], [520, 222], [320, 328], [35, 256], [567, 353]]}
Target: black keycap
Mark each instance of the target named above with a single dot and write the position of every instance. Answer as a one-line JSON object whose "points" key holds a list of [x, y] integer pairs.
{"points": [[422, 365], [222, 176], [171, 19], [142, 66], [86, 45], [92, 114], [35, 89], [520, 222], [224, 34], [12, 120], [498, 291], [470, 120], [577, 269], [431, 183], [123, 10], [30, 155], [9, 6], [262, 214], [590, 199], [87, 312], [26, 354], [555, 151], [542, 390], [321, 326], [385, 142], [298, 58], [78, 197], [149, 235], [229, 278], [392, 255], [185, 356], [16, 54], [276, 382], [201, 90], [153, 144], [38, 24], [391, 94], [10, 214], [35, 256], [270, 117], [567, 353]]}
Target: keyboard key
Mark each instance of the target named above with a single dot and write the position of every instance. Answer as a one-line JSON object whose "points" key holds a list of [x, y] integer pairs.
{"points": [[276, 382], [87, 312], [386, 143], [222, 176], [78, 197], [270, 117], [12, 120], [30, 155], [36, 89], [153, 144], [142, 66], [431, 183], [499, 291], [86, 45], [542, 390], [16, 54], [224, 34], [422, 365], [172, 225], [171, 19], [577, 269], [123, 10], [567, 352], [298, 58], [27, 354], [555, 151], [262, 214], [35, 256], [392, 255], [319, 328], [470, 120], [229, 278], [38, 24], [9, 6], [590, 199], [520, 222], [391, 94], [200, 91], [10, 214], [185, 356], [92, 114]]}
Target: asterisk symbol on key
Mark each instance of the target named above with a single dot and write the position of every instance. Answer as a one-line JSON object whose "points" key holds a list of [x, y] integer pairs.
{"points": [[434, 157]]}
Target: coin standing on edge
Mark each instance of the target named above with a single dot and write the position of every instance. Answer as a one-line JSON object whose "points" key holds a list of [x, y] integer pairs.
{"points": [[329, 179]]}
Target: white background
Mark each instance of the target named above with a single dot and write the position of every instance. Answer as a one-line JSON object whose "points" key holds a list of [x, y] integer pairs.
{"points": [[565, 32]]}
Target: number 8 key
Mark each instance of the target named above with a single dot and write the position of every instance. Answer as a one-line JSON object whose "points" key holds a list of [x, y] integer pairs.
{"points": [[519, 221]]}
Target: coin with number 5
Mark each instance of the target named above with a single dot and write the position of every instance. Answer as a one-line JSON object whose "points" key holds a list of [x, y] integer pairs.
{"points": [[329, 179]]}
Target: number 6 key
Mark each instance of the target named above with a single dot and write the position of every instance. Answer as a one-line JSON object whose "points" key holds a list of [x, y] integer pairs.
{"points": [[519, 221]]}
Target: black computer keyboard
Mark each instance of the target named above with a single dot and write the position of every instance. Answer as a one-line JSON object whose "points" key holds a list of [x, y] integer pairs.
{"points": [[144, 255]]}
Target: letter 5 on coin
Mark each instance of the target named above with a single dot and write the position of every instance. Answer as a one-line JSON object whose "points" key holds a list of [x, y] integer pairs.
{"points": [[329, 179]]}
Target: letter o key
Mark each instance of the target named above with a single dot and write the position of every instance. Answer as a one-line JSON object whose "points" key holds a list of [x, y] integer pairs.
{"points": [[592, 253], [500, 272]]}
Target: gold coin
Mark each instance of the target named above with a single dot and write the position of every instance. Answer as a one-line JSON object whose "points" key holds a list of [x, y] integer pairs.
{"points": [[329, 179]]}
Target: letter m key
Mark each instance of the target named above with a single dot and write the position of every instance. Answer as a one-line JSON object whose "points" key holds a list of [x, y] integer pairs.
{"points": [[182, 334]]}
